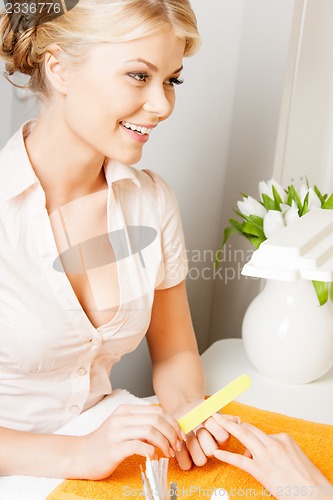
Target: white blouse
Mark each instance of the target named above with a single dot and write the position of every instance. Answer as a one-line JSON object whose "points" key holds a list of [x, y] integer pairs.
{"points": [[53, 362]]}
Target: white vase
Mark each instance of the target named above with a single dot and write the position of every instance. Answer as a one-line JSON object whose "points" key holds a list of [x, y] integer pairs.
{"points": [[287, 336]]}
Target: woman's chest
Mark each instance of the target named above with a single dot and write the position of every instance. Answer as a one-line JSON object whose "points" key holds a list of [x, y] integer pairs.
{"points": [[81, 234]]}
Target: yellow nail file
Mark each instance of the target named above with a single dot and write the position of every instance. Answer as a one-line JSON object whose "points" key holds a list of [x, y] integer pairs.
{"points": [[214, 403]]}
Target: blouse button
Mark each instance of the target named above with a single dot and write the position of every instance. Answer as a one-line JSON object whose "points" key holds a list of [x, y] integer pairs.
{"points": [[95, 342], [75, 409], [82, 371]]}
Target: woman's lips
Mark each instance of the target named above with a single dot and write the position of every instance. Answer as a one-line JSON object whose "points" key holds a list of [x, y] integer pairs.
{"points": [[139, 134]]}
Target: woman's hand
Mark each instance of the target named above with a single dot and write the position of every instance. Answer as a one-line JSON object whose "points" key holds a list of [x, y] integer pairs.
{"points": [[203, 441], [130, 430], [275, 460]]}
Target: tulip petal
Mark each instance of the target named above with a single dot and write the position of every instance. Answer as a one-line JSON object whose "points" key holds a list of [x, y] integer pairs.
{"points": [[291, 216], [273, 223], [250, 206]]}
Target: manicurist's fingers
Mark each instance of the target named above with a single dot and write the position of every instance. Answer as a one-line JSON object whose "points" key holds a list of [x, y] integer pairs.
{"points": [[137, 447], [152, 409], [126, 415], [184, 458], [144, 426], [147, 433]]}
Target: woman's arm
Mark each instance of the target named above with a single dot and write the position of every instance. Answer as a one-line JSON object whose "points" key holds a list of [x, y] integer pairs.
{"points": [[25, 453], [178, 375], [130, 430]]}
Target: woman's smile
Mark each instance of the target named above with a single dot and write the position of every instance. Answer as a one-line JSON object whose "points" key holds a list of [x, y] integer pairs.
{"points": [[139, 133]]}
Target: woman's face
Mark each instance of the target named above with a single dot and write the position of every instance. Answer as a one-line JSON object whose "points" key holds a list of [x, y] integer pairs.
{"points": [[122, 91]]}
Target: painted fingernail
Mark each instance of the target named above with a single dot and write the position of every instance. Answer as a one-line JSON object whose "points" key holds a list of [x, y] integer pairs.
{"points": [[183, 435], [179, 445], [171, 452], [238, 420]]}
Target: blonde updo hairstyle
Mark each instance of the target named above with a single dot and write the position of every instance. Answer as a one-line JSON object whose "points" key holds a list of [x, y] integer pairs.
{"points": [[90, 22]]}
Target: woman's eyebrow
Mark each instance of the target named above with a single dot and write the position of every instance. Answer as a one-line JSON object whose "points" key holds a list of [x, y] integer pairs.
{"points": [[152, 66]]}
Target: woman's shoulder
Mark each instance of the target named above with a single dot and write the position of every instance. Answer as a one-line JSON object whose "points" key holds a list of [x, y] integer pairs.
{"points": [[163, 192], [149, 179]]}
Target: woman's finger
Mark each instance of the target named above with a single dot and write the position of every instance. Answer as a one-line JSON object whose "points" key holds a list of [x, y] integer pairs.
{"points": [[156, 421], [183, 458], [154, 410], [152, 415], [144, 432], [241, 461], [137, 447], [254, 439], [220, 435], [195, 450], [206, 441], [232, 418]]}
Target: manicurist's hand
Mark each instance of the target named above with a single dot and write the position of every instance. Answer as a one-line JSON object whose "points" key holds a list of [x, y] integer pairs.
{"points": [[276, 461], [203, 441], [130, 430]]}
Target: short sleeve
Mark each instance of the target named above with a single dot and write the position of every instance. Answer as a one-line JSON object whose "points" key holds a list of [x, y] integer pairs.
{"points": [[174, 265]]}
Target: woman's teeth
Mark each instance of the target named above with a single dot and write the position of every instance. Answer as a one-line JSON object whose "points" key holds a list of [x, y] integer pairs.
{"points": [[136, 128]]}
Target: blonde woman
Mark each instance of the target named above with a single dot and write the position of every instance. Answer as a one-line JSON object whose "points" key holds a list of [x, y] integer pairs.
{"points": [[91, 249]]}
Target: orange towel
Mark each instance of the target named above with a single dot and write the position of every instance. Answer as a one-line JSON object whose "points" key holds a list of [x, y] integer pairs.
{"points": [[316, 440]]}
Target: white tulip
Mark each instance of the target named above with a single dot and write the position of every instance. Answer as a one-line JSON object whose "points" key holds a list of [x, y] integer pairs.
{"points": [[313, 201], [273, 222], [290, 213], [267, 188], [250, 206], [291, 216]]}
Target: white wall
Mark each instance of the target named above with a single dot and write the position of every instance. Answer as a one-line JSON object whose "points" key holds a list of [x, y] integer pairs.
{"points": [[305, 141], [255, 118], [17, 105], [5, 107]]}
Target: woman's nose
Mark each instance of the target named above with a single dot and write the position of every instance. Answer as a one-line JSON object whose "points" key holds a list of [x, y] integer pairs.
{"points": [[159, 102]]}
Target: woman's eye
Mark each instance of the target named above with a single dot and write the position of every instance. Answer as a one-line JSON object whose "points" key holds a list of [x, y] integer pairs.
{"points": [[175, 81], [139, 77]]}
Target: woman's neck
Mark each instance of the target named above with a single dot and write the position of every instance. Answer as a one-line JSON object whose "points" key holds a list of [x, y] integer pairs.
{"points": [[67, 167]]}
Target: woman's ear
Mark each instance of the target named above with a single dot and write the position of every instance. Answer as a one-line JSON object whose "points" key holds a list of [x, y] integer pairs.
{"points": [[56, 69]]}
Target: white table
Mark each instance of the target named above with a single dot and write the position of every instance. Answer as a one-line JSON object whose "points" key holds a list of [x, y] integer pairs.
{"points": [[226, 359]]}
